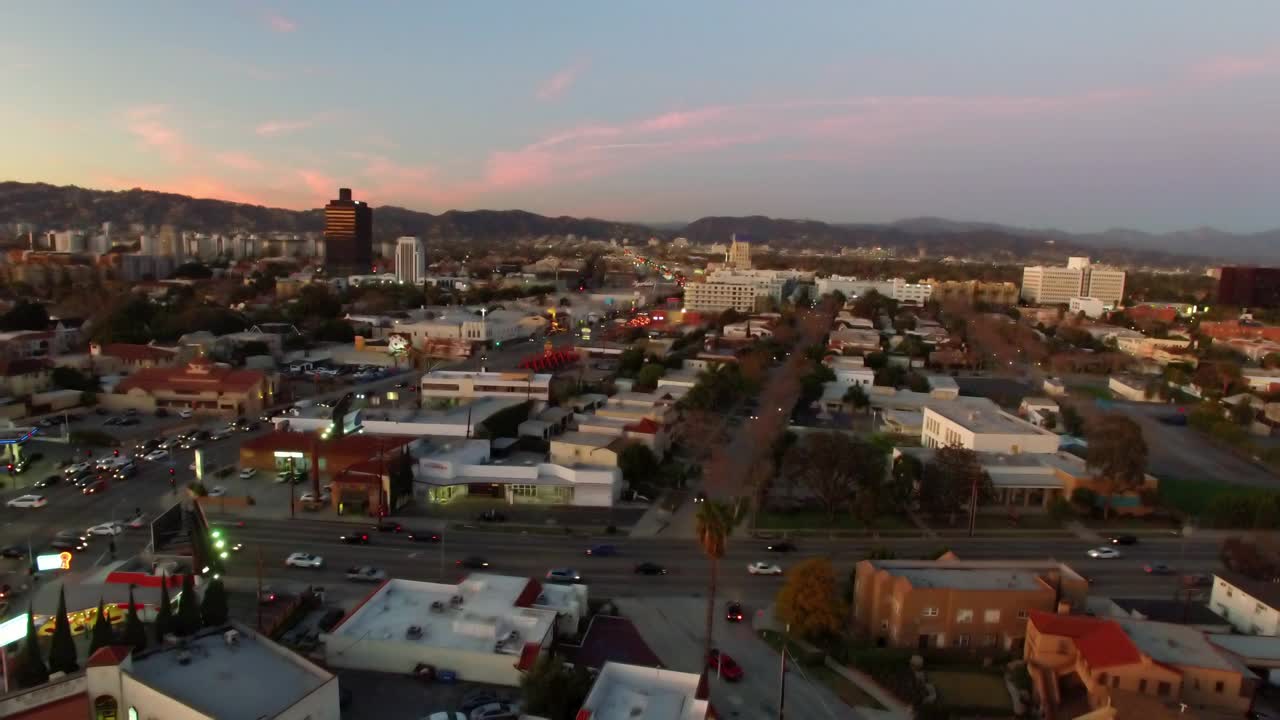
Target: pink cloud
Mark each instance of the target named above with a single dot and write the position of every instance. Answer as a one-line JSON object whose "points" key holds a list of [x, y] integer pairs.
{"points": [[318, 183], [148, 124], [238, 160], [195, 186], [279, 23], [272, 128], [1226, 68], [556, 85]]}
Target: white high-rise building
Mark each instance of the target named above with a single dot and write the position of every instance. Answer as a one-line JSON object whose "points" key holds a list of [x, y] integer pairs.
{"points": [[411, 261], [149, 245], [1043, 285], [69, 241]]}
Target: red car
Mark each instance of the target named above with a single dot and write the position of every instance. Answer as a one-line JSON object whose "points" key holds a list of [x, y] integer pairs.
{"points": [[729, 670], [94, 487]]}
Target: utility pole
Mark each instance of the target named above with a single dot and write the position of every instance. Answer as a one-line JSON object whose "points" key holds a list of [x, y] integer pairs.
{"points": [[260, 587], [782, 677], [973, 501]]}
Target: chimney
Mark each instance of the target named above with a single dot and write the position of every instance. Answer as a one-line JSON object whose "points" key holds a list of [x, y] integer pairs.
{"points": [[344, 194]]}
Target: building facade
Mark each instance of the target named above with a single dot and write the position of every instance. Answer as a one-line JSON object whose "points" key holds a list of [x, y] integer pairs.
{"points": [[738, 255], [348, 235], [1044, 285], [411, 261], [1252, 607], [984, 430], [716, 297], [200, 386], [458, 384], [973, 291]]}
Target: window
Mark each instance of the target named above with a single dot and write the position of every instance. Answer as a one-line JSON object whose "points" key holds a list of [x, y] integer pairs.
{"points": [[1022, 614], [1142, 685], [991, 616], [962, 640], [1163, 689], [964, 616], [524, 490], [1219, 686], [931, 612]]}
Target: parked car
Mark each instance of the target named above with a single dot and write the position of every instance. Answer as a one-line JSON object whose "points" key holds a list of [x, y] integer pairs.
{"points": [[304, 560], [28, 501], [366, 573], [184, 414], [727, 667], [247, 473], [13, 551], [156, 455], [763, 568], [649, 568], [733, 611], [217, 491]]}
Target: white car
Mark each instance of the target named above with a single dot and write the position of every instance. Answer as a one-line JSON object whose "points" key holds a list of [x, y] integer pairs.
{"points": [[247, 473], [217, 491], [28, 501], [304, 560], [155, 455], [171, 443], [77, 468], [308, 497], [1104, 553], [185, 414], [220, 434], [764, 568], [106, 528]]}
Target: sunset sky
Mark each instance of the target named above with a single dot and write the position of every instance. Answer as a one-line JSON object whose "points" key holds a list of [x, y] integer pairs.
{"points": [[1154, 114]]}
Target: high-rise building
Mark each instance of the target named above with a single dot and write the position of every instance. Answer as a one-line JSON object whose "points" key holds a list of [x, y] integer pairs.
{"points": [[738, 256], [1042, 285], [1249, 287], [348, 235], [411, 261]]}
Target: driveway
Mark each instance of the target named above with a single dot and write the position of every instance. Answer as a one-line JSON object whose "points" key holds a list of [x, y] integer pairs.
{"points": [[673, 627]]}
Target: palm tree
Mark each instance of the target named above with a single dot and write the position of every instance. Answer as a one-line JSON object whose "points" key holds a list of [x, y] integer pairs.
{"points": [[713, 522]]}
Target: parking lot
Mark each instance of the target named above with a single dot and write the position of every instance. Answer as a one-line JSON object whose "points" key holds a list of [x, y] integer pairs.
{"points": [[380, 696]]}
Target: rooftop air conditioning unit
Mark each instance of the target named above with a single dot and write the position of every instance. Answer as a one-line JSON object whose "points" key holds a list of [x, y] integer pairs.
{"points": [[231, 638]]}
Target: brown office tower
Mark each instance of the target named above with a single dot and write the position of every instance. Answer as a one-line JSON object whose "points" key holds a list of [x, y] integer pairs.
{"points": [[348, 235]]}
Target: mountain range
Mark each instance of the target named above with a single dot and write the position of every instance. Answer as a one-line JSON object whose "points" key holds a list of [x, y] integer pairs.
{"points": [[51, 207]]}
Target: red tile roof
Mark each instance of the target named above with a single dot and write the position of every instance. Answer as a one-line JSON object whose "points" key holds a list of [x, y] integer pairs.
{"points": [[1102, 643], [197, 376], [529, 656], [530, 593], [109, 655], [142, 579], [130, 352], [645, 425]]}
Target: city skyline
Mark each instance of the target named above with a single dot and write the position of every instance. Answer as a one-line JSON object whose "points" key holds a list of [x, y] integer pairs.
{"points": [[1032, 116]]}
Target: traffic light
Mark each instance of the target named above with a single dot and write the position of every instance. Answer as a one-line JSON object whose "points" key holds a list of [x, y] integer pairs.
{"points": [[116, 453], [173, 482]]}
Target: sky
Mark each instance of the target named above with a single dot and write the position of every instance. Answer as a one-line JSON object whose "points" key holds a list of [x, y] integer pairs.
{"points": [[1150, 114]]}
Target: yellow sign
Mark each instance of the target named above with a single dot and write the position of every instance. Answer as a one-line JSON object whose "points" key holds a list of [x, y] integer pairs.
{"points": [[83, 620]]}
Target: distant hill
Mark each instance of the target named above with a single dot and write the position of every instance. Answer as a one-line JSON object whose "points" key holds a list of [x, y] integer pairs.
{"points": [[49, 206]]}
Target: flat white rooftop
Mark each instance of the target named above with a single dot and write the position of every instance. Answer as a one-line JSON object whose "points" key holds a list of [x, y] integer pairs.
{"points": [[986, 420], [632, 692], [495, 613]]}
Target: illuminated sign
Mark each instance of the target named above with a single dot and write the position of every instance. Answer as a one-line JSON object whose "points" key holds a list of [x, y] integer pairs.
{"points": [[289, 454], [59, 561], [13, 630]]}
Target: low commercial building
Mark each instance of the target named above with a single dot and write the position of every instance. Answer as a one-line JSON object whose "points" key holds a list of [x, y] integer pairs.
{"points": [[643, 431], [854, 339], [487, 628], [115, 358], [634, 692], [1133, 388], [1038, 410], [25, 376], [1146, 347], [457, 384], [582, 448], [983, 429], [1091, 307], [1132, 666], [225, 672], [970, 292], [199, 386], [1261, 380], [1251, 606], [958, 603], [451, 469]]}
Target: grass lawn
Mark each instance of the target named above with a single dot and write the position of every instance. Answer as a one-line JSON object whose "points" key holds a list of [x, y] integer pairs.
{"points": [[819, 520], [849, 693], [970, 689], [1190, 496]]}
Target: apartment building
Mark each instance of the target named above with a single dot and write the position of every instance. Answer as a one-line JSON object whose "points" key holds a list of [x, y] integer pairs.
{"points": [[411, 260], [1045, 285], [1137, 667], [984, 429], [958, 603], [973, 291], [1251, 606], [457, 384], [716, 297]]}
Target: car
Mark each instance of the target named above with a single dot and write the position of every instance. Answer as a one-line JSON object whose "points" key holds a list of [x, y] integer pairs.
{"points": [[247, 473], [310, 497], [725, 666], [763, 568], [700, 497], [95, 487], [13, 551], [147, 446], [267, 596], [185, 414], [156, 455], [1123, 540], [474, 562], [84, 480], [1103, 553], [284, 477], [733, 611], [70, 533], [355, 539], [426, 536], [491, 516], [221, 434], [171, 443], [28, 501], [479, 697], [217, 491], [602, 551], [106, 528], [388, 526], [251, 427], [77, 468], [131, 412], [563, 576], [304, 560], [137, 522], [496, 711], [781, 546], [366, 573], [648, 568], [69, 544], [1157, 569], [51, 480]]}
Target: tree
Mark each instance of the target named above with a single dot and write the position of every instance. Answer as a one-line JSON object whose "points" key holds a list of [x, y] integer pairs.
{"points": [[1117, 455], [1242, 413], [554, 691], [25, 315], [62, 647], [1072, 423], [31, 670], [712, 525], [135, 634], [809, 601], [630, 361], [102, 634], [637, 463], [842, 470], [213, 607], [401, 478], [188, 607], [952, 479], [164, 623], [649, 375], [66, 378], [856, 397]]}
